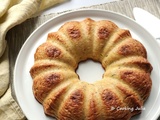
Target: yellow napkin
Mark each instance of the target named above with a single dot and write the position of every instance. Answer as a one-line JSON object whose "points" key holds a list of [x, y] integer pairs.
{"points": [[12, 13]]}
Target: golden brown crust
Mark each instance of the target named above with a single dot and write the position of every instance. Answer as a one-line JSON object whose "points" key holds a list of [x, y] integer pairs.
{"points": [[93, 113], [52, 103], [132, 100], [73, 103], [132, 48], [125, 85], [136, 79], [43, 85]]}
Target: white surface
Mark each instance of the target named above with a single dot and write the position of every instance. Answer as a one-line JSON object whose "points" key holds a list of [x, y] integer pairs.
{"points": [[148, 21], [74, 4], [23, 82], [94, 71]]}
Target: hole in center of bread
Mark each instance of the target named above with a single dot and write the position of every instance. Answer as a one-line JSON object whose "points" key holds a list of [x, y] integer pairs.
{"points": [[90, 71]]}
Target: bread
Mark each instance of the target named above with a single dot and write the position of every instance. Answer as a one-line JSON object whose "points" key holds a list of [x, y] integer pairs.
{"points": [[125, 85]]}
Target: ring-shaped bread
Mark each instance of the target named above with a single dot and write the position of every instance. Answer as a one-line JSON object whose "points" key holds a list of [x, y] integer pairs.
{"points": [[125, 85]]}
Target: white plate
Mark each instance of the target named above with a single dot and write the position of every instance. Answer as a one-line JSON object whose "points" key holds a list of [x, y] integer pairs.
{"points": [[23, 82]]}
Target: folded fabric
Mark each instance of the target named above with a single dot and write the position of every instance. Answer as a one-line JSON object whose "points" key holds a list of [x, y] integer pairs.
{"points": [[12, 13]]}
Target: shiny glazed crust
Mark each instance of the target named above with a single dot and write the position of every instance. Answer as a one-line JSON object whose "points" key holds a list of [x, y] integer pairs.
{"points": [[125, 85]]}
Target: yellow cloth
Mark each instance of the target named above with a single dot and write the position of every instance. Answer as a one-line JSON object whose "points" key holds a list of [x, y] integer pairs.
{"points": [[12, 13]]}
